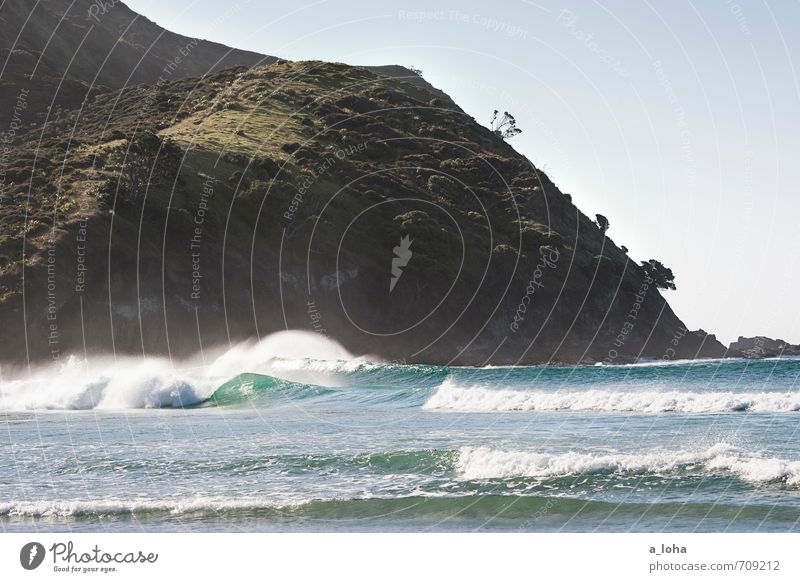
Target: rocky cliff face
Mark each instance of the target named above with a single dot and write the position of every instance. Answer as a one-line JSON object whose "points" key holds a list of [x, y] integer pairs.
{"points": [[185, 214]]}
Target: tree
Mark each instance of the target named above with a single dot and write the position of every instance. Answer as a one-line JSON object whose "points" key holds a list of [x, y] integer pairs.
{"points": [[149, 160], [415, 70], [602, 222], [624, 249], [662, 276], [505, 126]]}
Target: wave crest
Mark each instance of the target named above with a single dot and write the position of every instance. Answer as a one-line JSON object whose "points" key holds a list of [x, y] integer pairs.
{"points": [[128, 382], [476, 463], [450, 396]]}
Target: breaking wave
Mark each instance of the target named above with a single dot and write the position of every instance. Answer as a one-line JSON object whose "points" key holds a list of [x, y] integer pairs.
{"points": [[486, 463], [240, 373], [477, 468], [354, 510], [450, 396], [302, 364]]}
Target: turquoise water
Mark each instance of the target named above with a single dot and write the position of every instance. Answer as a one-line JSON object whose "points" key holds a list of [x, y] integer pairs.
{"points": [[309, 445]]}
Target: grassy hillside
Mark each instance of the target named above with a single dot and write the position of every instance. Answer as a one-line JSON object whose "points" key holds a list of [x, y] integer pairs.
{"points": [[206, 210]]}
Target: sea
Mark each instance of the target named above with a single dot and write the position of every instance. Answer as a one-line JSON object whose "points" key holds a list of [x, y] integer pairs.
{"points": [[294, 434]]}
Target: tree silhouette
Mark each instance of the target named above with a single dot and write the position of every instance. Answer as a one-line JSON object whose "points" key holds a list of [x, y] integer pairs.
{"points": [[662, 276], [505, 126], [602, 222]]}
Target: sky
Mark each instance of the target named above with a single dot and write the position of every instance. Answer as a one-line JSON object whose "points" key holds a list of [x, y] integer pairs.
{"points": [[679, 121]]}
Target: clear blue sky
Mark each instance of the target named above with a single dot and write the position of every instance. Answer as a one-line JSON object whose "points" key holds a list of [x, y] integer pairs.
{"points": [[680, 121]]}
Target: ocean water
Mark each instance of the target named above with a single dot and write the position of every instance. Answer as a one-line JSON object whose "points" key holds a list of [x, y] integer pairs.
{"points": [[256, 441]]}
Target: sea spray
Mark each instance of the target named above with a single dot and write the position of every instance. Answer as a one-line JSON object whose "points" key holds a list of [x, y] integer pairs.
{"points": [[104, 382]]}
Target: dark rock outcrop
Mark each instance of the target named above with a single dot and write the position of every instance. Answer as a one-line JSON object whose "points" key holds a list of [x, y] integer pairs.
{"points": [[761, 347]]}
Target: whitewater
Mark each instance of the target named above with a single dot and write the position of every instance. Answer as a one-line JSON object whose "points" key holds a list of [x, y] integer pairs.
{"points": [[294, 433]]}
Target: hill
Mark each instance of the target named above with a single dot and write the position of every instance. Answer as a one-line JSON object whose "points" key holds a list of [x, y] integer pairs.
{"points": [[190, 212]]}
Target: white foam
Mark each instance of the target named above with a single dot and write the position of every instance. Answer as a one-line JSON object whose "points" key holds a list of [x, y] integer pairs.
{"points": [[450, 396], [62, 509], [646, 362], [487, 463], [128, 382], [323, 367]]}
